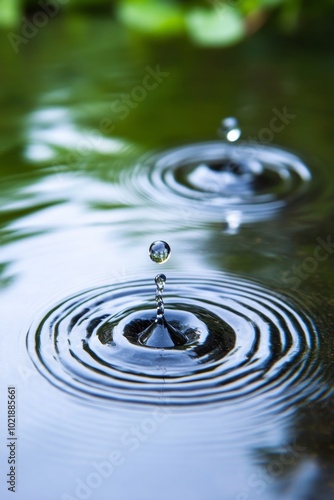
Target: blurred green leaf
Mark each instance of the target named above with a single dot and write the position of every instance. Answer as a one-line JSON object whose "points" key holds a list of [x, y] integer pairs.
{"points": [[208, 22], [290, 15], [153, 17], [271, 3], [218, 27], [9, 12]]}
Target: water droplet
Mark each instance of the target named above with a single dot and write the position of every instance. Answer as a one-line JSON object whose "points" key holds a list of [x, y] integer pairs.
{"points": [[161, 334], [229, 129], [160, 281], [159, 252]]}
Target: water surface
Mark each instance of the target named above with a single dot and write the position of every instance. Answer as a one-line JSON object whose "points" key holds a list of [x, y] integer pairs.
{"points": [[75, 218]]}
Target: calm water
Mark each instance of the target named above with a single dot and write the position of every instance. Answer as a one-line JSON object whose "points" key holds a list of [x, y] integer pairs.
{"points": [[95, 123]]}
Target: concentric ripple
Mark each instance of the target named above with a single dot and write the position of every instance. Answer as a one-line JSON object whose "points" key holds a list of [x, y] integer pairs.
{"points": [[243, 341], [217, 180]]}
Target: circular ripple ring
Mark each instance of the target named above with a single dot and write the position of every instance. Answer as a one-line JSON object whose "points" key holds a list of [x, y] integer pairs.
{"points": [[211, 179], [251, 342]]}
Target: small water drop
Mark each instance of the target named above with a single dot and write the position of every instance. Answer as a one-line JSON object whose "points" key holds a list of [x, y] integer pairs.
{"points": [[229, 129], [160, 281], [159, 252]]}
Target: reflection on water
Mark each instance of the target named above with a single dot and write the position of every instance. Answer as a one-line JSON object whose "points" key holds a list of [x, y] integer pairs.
{"points": [[78, 213]]}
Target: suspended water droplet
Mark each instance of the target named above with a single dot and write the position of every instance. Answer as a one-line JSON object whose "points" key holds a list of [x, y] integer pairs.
{"points": [[159, 252], [160, 281], [160, 333], [229, 129]]}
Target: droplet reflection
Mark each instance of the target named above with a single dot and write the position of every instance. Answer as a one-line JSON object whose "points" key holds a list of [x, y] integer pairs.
{"points": [[159, 252]]}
